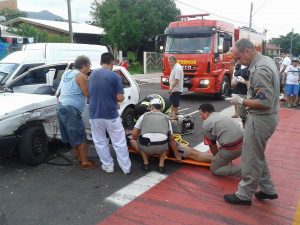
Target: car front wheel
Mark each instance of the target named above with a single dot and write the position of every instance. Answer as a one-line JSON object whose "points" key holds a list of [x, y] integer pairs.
{"points": [[33, 146]]}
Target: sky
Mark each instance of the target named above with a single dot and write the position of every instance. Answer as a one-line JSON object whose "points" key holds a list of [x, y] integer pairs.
{"points": [[278, 17]]}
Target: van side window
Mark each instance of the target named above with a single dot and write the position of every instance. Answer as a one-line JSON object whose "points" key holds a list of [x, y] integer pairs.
{"points": [[125, 82]]}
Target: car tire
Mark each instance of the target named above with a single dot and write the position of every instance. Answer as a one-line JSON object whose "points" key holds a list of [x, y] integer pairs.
{"points": [[128, 118], [225, 89], [33, 146]]}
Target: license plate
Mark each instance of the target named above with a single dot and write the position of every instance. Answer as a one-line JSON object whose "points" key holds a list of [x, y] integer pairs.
{"points": [[185, 90]]}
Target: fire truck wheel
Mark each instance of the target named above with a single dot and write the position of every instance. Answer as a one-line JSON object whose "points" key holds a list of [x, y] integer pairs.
{"points": [[225, 89]]}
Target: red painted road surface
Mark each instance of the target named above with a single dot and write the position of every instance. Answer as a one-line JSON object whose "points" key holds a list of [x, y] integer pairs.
{"points": [[192, 195]]}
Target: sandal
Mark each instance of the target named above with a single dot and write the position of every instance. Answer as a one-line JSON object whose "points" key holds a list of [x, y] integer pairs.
{"points": [[90, 165], [162, 169], [144, 167]]}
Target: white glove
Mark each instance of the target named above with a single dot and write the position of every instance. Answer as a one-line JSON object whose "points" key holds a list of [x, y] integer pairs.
{"points": [[240, 79], [235, 99], [234, 81]]}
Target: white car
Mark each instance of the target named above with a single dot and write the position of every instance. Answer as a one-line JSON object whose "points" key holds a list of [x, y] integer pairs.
{"points": [[28, 111]]}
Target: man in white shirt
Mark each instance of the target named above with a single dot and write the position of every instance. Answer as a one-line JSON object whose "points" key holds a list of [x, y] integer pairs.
{"points": [[291, 81], [153, 132], [285, 63], [176, 84]]}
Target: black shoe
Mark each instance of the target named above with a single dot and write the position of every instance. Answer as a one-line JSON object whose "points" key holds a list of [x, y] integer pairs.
{"points": [[233, 199], [262, 196], [161, 169], [144, 167]]}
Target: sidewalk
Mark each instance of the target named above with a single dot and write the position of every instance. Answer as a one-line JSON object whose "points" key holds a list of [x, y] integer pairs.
{"points": [[148, 77], [192, 195]]}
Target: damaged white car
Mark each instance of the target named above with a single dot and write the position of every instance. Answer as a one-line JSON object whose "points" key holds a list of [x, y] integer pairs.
{"points": [[28, 111]]}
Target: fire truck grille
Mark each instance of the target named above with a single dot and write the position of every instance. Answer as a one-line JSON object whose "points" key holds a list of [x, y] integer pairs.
{"points": [[187, 81], [190, 71]]}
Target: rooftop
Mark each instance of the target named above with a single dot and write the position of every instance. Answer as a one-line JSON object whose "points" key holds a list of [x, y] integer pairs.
{"points": [[60, 26]]}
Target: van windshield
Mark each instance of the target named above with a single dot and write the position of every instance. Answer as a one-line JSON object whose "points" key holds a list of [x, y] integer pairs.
{"points": [[188, 44], [6, 69]]}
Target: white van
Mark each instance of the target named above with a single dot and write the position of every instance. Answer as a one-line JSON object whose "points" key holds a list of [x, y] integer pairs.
{"points": [[38, 54]]}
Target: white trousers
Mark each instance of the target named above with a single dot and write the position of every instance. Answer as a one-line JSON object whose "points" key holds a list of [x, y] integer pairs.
{"points": [[116, 133]]}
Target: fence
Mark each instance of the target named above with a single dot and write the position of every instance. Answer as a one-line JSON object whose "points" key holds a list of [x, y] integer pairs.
{"points": [[152, 62]]}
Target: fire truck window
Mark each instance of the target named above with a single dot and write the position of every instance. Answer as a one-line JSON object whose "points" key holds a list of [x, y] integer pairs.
{"points": [[226, 46]]}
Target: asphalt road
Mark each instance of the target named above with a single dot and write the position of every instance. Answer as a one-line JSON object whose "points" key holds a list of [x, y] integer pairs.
{"points": [[59, 193]]}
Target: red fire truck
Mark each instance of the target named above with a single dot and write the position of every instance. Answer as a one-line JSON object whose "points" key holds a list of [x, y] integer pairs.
{"points": [[202, 48]]}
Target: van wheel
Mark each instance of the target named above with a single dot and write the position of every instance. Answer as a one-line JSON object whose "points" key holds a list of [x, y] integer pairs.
{"points": [[128, 118], [225, 89], [33, 146]]}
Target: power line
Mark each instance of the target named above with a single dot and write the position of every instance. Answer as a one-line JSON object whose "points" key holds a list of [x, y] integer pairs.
{"points": [[262, 5], [236, 21]]}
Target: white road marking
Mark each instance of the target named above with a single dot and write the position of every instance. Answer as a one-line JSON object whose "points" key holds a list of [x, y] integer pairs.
{"points": [[180, 110], [158, 78], [135, 189], [193, 113]]}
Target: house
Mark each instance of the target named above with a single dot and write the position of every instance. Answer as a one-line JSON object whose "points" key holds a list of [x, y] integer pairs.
{"points": [[9, 4], [82, 33], [272, 50]]}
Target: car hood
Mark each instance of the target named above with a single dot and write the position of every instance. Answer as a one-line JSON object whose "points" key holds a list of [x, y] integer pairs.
{"points": [[16, 103]]}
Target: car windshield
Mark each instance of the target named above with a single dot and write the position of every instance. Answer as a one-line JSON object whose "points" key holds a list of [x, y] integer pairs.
{"points": [[188, 44], [6, 69]]}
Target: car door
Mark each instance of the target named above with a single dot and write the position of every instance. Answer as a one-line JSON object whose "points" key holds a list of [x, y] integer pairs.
{"points": [[41, 81], [131, 89], [38, 80]]}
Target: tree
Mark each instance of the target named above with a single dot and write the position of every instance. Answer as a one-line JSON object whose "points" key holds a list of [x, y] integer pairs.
{"points": [[285, 42], [10, 14], [27, 30], [130, 23]]}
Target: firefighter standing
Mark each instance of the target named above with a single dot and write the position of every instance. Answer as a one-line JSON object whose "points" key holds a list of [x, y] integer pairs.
{"points": [[262, 105]]}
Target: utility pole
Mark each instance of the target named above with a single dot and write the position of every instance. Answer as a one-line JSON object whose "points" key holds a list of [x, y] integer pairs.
{"points": [[251, 10], [291, 49], [70, 21]]}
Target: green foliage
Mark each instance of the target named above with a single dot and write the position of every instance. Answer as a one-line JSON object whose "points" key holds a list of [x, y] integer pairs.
{"points": [[285, 42], [10, 14], [130, 23], [27, 30], [55, 38], [135, 66], [131, 56]]}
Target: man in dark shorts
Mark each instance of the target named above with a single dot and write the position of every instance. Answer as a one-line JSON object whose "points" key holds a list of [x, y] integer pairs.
{"points": [[71, 104], [176, 85]]}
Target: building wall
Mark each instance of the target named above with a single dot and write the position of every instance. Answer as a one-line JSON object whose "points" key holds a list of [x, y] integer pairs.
{"points": [[10, 4]]}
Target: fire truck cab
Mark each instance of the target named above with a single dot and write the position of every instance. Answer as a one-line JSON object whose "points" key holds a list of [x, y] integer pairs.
{"points": [[202, 48]]}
